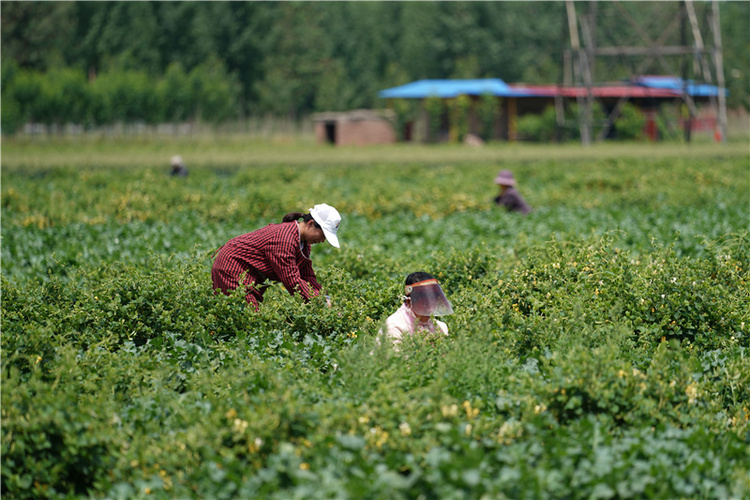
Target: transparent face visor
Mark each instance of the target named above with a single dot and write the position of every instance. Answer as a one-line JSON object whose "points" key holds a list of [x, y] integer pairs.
{"points": [[428, 299]]}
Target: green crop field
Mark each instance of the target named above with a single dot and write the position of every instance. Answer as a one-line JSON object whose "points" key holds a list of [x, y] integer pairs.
{"points": [[598, 349]]}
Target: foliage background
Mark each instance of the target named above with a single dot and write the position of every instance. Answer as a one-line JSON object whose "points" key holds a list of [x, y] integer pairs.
{"points": [[598, 349], [214, 61], [599, 345]]}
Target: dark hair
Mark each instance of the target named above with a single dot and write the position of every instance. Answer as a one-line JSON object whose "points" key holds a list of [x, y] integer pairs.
{"points": [[417, 277], [292, 216]]}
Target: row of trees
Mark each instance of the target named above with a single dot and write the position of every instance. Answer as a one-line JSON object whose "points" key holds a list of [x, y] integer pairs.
{"points": [[292, 58], [64, 95]]}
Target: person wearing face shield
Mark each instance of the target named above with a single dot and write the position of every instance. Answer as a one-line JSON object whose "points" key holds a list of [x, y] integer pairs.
{"points": [[423, 299], [277, 252]]}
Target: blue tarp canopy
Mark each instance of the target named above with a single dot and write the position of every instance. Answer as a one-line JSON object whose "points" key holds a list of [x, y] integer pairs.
{"points": [[447, 89], [452, 88], [678, 84]]}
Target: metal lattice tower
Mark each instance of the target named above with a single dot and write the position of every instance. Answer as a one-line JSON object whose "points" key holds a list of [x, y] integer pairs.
{"points": [[613, 39]]}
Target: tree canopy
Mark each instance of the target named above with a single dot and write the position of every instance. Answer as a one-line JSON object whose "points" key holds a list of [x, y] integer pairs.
{"points": [[292, 58]]}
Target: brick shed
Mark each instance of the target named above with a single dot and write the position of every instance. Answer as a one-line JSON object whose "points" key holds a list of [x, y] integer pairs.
{"points": [[358, 127]]}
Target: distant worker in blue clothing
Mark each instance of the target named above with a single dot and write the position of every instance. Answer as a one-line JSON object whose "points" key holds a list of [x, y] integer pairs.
{"points": [[509, 197]]}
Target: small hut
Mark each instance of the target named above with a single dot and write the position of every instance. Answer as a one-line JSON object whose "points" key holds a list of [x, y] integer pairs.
{"points": [[359, 127]]}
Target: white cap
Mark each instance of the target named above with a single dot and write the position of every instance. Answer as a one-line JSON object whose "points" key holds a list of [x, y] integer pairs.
{"points": [[328, 219], [176, 160]]}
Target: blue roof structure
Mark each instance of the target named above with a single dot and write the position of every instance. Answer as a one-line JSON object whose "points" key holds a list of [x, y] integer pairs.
{"points": [[678, 84], [452, 88], [447, 89]]}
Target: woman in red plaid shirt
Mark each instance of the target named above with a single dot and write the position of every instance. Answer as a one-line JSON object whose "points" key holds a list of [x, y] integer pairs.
{"points": [[277, 252]]}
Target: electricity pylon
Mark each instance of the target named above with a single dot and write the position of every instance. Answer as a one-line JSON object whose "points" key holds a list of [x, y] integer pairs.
{"points": [[671, 42]]}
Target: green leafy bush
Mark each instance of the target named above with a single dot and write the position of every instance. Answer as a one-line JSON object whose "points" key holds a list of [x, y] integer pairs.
{"points": [[405, 113], [435, 108], [213, 92], [488, 111], [53, 446], [459, 110], [63, 96], [630, 124], [598, 348], [174, 93], [538, 127], [126, 96]]}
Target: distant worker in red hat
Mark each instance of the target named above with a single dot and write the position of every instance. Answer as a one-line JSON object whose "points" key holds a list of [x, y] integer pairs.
{"points": [[509, 197], [277, 252]]}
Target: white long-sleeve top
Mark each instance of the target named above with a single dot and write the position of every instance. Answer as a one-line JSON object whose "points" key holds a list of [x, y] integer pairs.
{"points": [[405, 322]]}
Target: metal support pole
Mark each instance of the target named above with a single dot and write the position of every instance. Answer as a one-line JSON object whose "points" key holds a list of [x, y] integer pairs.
{"points": [[719, 65], [588, 23], [685, 111], [580, 64]]}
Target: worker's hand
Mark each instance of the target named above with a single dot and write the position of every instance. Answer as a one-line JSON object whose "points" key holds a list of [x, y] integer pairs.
{"points": [[328, 301]]}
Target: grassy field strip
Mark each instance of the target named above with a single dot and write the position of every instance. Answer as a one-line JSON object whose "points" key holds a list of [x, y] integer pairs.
{"points": [[237, 153]]}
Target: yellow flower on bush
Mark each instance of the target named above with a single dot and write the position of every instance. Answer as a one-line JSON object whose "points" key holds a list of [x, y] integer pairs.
{"points": [[509, 431], [405, 429], [378, 436], [470, 412], [692, 393], [254, 447], [239, 426], [449, 411]]}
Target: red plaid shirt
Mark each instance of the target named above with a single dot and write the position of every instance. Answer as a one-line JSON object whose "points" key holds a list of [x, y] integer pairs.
{"points": [[274, 253]]}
